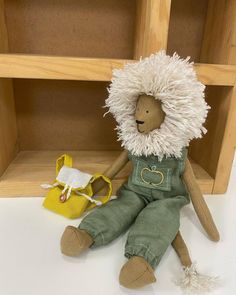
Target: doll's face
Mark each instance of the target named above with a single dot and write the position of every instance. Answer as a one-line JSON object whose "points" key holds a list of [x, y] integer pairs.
{"points": [[149, 114]]}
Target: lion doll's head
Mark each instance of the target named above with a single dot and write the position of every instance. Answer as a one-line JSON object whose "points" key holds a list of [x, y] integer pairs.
{"points": [[158, 104]]}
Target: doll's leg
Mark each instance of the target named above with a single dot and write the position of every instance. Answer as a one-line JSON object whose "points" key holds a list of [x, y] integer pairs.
{"points": [[153, 231], [102, 225]]}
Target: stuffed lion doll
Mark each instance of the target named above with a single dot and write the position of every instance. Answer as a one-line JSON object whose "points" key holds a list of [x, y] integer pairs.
{"points": [[159, 107]]}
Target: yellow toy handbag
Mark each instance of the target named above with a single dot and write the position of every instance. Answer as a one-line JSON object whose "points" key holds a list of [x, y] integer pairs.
{"points": [[72, 193]]}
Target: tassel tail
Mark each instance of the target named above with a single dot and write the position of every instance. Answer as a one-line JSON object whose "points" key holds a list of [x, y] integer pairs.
{"points": [[192, 282]]}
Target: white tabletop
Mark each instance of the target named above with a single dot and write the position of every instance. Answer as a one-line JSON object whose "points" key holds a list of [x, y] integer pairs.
{"points": [[31, 262]]}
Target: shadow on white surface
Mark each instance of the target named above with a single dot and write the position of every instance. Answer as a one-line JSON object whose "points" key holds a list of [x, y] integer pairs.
{"points": [[31, 262]]}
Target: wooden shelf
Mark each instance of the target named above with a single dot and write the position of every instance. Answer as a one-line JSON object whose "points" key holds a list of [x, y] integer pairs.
{"points": [[55, 67], [205, 181], [49, 55], [93, 69], [215, 74], [32, 168]]}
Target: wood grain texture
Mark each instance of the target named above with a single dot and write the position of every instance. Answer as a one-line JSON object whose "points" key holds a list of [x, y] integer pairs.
{"points": [[8, 129], [213, 74], [52, 67], [152, 24], [93, 69], [97, 28], [215, 151], [67, 115], [30, 169], [226, 154], [204, 180], [186, 27], [205, 151], [219, 47], [3, 29], [63, 115], [219, 42]]}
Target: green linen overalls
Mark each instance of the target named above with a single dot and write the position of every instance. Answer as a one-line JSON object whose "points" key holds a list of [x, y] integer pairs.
{"points": [[150, 201]]}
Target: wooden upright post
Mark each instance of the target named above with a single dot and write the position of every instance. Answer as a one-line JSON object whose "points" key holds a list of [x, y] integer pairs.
{"points": [[226, 155], [218, 47], [219, 40], [152, 24], [8, 129]]}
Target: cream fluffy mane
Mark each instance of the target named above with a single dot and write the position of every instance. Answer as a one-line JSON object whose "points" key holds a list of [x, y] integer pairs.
{"points": [[171, 80]]}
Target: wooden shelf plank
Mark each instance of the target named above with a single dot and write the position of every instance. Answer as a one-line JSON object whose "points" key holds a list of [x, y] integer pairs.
{"points": [[215, 74], [55, 67], [93, 69], [32, 168]]}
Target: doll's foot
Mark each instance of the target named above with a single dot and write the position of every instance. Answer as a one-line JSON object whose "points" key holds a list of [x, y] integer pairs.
{"points": [[136, 273], [74, 241]]}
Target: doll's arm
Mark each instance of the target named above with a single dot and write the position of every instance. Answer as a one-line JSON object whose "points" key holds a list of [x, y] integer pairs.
{"points": [[181, 250], [199, 203], [112, 170], [116, 166]]}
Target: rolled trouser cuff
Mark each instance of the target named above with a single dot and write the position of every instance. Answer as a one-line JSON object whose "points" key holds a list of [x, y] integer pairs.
{"points": [[98, 239], [143, 251]]}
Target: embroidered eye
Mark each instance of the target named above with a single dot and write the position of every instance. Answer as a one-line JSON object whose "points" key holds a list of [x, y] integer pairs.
{"points": [[147, 112]]}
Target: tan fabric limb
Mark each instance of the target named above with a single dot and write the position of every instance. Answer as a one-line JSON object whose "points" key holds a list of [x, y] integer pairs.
{"points": [[112, 170], [199, 203], [181, 250], [119, 163]]}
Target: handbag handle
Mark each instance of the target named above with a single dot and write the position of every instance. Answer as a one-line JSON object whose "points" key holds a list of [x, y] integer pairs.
{"points": [[102, 199], [64, 160]]}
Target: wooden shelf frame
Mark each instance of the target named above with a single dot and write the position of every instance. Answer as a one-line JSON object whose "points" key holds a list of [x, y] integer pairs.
{"points": [[58, 67], [93, 69], [23, 175], [30, 169], [8, 125]]}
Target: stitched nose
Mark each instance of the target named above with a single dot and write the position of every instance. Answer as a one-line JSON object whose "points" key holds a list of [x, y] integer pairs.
{"points": [[139, 122]]}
